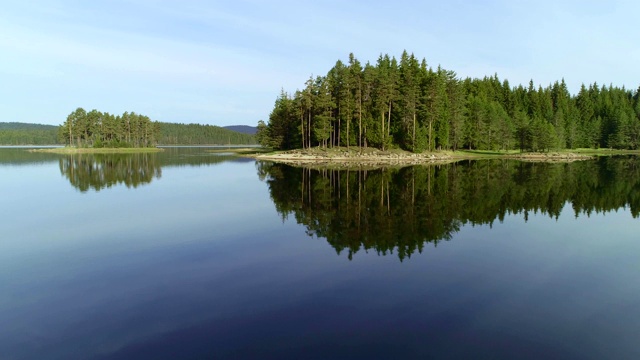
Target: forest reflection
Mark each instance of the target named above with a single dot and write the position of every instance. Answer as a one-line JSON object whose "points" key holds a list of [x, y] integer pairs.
{"points": [[99, 171], [402, 209]]}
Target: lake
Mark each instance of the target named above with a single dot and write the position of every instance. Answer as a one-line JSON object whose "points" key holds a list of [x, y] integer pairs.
{"points": [[192, 254]]}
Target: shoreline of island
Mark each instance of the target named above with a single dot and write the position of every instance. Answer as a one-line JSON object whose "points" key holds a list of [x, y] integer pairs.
{"points": [[369, 156], [74, 150]]}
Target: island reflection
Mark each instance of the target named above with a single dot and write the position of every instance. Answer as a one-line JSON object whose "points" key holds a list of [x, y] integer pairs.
{"points": [[401, 209], [100, 171]]}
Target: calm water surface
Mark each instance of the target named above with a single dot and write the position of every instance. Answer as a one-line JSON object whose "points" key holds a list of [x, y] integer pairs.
{"points": [[196, 255]]}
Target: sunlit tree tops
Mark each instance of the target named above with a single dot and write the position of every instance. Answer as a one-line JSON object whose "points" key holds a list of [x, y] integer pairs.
{"points": [[408, 104]]}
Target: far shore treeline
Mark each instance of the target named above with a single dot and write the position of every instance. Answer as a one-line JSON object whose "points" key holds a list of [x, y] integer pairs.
{"points": [[197, 134], [15, 133], [406, 104], [98, 129]]}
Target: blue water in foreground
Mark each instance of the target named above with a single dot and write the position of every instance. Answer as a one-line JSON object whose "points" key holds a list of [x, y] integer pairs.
{"points": [[197, 264]]}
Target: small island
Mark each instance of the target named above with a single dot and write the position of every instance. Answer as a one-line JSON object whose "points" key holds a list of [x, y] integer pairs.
{"points": [[103, 133], [401, 111], [97, 130]]}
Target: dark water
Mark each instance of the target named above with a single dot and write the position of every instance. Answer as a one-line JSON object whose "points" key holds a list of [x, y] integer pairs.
{"points": [[191, 254]]}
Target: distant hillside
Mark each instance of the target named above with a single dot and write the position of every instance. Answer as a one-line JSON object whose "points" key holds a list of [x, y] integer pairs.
{"points": [[245, 129], [15, 133], [196, 134], [23, 126]]}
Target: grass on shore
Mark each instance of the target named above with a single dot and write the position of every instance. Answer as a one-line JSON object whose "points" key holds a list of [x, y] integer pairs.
{"points": [[605, 152], [74, 150], [242, 151], [476, 154], [467, 154]]}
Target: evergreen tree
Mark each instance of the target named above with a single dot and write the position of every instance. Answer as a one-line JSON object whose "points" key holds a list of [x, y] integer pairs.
{"points": [[409, 93], [405, 104], [324, 119]]}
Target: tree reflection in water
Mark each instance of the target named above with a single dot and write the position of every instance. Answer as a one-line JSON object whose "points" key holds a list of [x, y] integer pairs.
{"points": [[99, 171], [401, 209]]}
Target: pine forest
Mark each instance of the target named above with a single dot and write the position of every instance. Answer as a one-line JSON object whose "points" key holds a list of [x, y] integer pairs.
{"points": [[407, 104], [14, 133], [97, 129]]}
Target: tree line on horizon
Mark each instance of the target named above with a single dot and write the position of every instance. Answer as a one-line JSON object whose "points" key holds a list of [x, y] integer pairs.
{"points": [[406, 104], [197, 134], [15, 133], [97, 129]]}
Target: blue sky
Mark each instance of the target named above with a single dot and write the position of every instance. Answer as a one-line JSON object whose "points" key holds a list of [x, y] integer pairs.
{"points": [[225, 62]]}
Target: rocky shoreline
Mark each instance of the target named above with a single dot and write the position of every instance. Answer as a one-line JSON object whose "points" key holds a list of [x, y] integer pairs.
{"points": [[549, 157], [373, 157]]}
